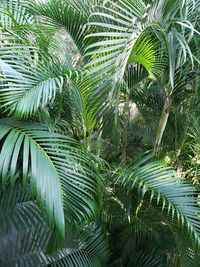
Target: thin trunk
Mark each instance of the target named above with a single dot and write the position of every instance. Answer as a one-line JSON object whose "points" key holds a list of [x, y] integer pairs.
{"points": [[85, 137], [163, 121], [99, 142], [125, 132]]}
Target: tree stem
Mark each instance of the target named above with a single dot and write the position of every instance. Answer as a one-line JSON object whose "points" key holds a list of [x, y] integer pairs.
{"points": [[125, 132], [163, 121]]}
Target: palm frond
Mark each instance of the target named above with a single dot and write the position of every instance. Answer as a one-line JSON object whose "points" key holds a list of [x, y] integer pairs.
{"points": [[55, 171], [92, 251], [65, 15], [13, 15], [27, 246], [173, 195], [27, 84], [121, 40]]}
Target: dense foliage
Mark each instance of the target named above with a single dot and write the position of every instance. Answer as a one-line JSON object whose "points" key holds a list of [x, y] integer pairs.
{"points": [[99, 133]]}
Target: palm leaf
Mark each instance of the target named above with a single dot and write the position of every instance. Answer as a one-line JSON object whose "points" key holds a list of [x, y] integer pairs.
{"points": [[51, 167], [63, 14], [26, 246], [13, 15], [121, 39], [172, 194], [92, 251], [28, 85]]}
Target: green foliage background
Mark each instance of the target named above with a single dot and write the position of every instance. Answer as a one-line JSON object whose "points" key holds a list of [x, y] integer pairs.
{"points": [[99, 133]]}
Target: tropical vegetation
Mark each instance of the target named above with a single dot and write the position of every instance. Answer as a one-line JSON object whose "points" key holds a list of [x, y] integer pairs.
{"points": [[99, 133]]}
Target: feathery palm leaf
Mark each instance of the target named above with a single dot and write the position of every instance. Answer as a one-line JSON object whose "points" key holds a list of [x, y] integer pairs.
{"points": [[64, 15], [24, 243], [172, 194], [122, 39], [14, 16], [26, 84], [54, 169]]}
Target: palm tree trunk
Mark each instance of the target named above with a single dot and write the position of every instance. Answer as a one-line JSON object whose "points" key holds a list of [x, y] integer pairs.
{"points": [[99, 142], [163, 121], [126, 126]]}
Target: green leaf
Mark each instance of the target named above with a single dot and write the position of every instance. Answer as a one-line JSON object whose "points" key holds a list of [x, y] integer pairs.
{"points": [[172, 194], [53, 168], [27, 86], [13, 15], [63, 14]]}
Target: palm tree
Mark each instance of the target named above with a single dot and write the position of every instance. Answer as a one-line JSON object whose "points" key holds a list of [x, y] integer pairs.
{"points": [[72, 194]]}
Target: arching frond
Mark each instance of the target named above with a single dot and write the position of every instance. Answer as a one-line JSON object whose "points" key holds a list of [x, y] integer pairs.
{"points": [[92, 251], [27, 248], [122, 40], [173, 195], [63, 14], [13, 15], [27, 84], [24, 236], [55, 171]]}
